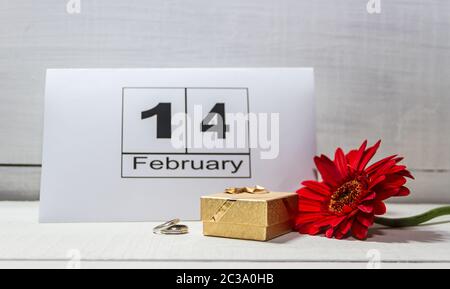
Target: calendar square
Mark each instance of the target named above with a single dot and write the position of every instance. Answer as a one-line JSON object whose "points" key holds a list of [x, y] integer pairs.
{"points": [[212, 141], [231, 133], [147, 114]]}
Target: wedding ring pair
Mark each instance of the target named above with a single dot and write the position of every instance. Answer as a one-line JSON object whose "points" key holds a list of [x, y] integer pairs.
{"points": [[171, 228]]}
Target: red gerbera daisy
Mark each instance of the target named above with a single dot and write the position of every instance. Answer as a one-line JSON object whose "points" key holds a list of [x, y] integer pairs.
{"points": [[351, 194]]}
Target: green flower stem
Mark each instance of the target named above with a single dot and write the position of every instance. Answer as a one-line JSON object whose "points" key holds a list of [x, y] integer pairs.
{"points": [[414, 220]]}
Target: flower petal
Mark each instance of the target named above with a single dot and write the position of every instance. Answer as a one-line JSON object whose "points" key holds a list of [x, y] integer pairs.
{"points": [[312, 195], [309, 206], [330, 232], [354, 157], [379, 164], [368, 155], [332, 221], [383, 170], [386, 193], [305, 218], [370, 197], [366, 208], [308, 229], [341, 162], [365, 219], [406, 173], [345, 226], [328, 170], [318, 187], [359, 231], [376, 181], [379, 208], [396, 169], [403, 192], [392, 181]]}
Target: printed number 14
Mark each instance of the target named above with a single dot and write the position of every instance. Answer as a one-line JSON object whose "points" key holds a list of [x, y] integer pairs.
{"points": [[163, 112]]}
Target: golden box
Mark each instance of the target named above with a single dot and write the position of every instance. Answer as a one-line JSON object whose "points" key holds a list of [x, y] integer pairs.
{"points": [[248, 216]]}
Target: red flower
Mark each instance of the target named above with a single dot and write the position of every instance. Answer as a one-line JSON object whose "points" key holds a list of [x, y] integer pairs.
{"points": [[351, 193]]}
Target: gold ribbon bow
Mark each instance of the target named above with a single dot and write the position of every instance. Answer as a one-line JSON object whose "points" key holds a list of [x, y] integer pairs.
{"points": [[249, 190]]}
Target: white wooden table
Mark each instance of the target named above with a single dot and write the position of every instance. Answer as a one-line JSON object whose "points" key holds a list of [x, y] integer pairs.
{"points": [[26, 243]]}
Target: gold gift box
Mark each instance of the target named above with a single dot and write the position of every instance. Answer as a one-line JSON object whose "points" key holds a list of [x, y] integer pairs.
{"points": [[248, 216]]}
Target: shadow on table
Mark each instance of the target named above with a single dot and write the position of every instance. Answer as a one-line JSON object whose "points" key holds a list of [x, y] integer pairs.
{"points": [[405, 235], [378, 234], [285, 238]]}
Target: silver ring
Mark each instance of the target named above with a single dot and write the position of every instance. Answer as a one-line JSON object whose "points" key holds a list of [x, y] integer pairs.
{"points": [[175, 230], [166, 225]]}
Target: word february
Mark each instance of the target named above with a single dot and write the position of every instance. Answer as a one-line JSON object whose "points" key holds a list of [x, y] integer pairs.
{"points": [[187, 165]]}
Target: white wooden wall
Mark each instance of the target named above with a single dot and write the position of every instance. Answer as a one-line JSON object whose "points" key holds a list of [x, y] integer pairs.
{"points": [[377, 75]]}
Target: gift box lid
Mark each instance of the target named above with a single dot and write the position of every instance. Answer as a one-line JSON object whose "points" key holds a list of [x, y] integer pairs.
{"points": [[249, 209]]}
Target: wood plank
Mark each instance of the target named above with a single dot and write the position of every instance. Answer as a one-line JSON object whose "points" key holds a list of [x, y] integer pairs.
{"points": [[23, 183], [429, 187], [19, 183], [24, 242], [377, 76]]}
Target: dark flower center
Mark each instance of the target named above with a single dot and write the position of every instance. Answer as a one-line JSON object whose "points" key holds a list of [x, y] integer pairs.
{"points": [[346, 195]]}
